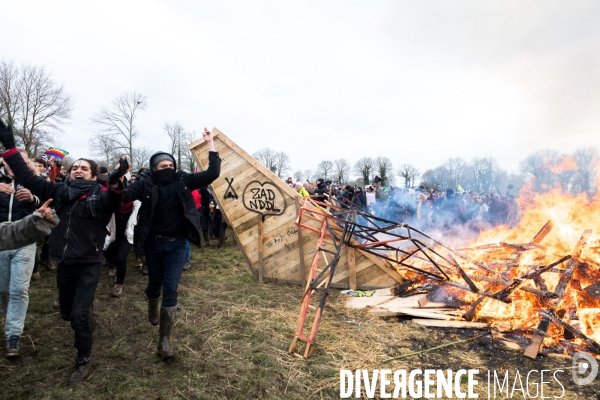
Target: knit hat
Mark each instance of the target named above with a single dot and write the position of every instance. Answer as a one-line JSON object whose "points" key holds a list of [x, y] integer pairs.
{"points": [[158, 157]]}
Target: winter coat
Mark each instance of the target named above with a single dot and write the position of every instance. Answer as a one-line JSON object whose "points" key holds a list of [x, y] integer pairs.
{"points": [[79, 237], [27, 230], [12, 209], [145, 189]]}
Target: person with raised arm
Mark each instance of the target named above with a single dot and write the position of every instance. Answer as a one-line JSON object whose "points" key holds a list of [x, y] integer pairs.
{"points": [[77, 241], [167, 218]]}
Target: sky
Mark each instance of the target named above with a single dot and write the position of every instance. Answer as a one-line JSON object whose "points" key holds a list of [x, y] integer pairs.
{"points": [[415, 81]]}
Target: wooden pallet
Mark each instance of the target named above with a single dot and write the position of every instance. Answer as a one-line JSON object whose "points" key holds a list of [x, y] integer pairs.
{"points": [[262, 211]]}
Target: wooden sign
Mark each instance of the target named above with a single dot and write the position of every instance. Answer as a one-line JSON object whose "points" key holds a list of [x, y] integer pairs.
{"points": [[262, 210]]}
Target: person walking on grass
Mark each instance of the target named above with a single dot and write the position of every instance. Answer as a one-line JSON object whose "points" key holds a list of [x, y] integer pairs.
{"points": [[76, 243], [167, 218], [16, 266]]}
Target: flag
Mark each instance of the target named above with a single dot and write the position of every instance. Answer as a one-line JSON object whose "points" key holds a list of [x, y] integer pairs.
{"points": [[56, 153]]}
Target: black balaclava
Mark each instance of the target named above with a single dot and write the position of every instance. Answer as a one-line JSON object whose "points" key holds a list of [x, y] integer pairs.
{"points": [[165, 176]]}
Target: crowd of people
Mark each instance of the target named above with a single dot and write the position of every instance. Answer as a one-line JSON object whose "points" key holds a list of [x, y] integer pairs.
{"points": [[98, 215], [420, 207]]}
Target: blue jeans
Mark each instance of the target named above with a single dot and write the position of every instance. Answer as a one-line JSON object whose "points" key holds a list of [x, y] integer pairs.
{"points": [[188, 251], [165, 264], [16, 267]]}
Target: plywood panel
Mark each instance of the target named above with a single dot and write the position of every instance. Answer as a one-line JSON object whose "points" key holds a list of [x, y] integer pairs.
{"points": [[247, 193]]}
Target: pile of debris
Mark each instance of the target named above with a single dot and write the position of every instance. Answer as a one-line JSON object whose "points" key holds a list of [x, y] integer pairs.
{"points": [[541, 293], [529, 295]]}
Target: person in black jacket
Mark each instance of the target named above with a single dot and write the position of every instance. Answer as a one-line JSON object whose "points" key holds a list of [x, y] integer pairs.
{"points": [[320, 190], [167, 217], [76, 243]]}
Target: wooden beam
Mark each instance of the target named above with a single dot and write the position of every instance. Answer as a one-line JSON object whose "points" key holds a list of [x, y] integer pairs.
{"points": [[300, 247], [261, 265], [351, 268], [450, 324]]}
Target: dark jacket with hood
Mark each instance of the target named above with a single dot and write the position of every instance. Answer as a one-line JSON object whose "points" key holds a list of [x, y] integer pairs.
{"points": [[79, 237], [320, 190], [12, 209], [145, 188]]}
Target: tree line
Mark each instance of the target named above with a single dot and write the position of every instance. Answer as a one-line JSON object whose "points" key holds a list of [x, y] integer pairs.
{"points": [[39, 108], [545, 170]]}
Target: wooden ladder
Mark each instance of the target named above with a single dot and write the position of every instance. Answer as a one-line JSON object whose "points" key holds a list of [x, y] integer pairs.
{"points": [[318, 283]]}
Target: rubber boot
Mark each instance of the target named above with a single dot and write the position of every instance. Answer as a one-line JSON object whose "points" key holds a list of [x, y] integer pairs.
{"points": [[83, 367], [153, 310], [206, 241], [167, 317]]}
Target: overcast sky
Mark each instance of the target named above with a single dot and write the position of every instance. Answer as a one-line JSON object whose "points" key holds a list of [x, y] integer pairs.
{"points": [[416, 81]]}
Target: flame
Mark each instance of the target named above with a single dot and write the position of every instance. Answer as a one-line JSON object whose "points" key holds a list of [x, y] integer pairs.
{"points": [[572, 217]]}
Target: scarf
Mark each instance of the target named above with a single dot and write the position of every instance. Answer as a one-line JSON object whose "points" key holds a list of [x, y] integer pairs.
{"points": [[80, 187]]}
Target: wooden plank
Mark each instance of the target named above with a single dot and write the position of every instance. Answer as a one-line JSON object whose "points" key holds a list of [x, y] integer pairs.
{"points": [[280, 250], [414, 312], [303, 271], [364, 302], [351, 269], [450, 324], [261, 264]]}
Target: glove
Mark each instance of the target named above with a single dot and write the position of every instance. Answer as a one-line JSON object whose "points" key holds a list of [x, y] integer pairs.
{"points": [[116, 175], [6, 136]]}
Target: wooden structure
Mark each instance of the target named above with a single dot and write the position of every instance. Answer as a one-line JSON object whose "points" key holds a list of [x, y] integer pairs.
{"points": [[262, 211]]}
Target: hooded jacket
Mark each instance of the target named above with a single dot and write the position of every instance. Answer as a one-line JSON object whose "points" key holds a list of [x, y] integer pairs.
{"points": [[12, 209], [145, 189]]}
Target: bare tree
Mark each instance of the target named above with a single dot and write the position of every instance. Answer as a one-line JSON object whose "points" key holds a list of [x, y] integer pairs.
{"points": [[384, 169], [535, 169], [325, 169], [282, 163], [298, 175], [141, 158], [482, 171], [409, 173], [437, 178], [457, 171], [363, 168], [104, 147], [175, 131], [179, 139], [308, 174], [188, 160], [587, 163], [342, 167], [267, 157], [117, 120], [33, 104]]}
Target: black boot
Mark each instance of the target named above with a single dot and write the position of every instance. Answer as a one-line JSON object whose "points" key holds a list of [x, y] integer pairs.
{"points": [[167, 317], [83, 367], [153, 310], [205, 235]]}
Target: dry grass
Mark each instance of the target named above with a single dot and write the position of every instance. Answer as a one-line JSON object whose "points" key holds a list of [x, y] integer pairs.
{"points": [[231, 339]]}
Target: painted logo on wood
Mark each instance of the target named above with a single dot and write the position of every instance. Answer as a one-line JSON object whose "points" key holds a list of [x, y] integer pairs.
{"points": [[264, 198]]}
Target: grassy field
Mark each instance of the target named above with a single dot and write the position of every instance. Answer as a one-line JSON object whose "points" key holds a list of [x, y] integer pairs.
{"points": [[231, 340]]}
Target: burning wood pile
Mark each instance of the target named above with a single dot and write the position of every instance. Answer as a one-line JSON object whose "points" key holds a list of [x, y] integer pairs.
{"points": [[537, 286]]}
